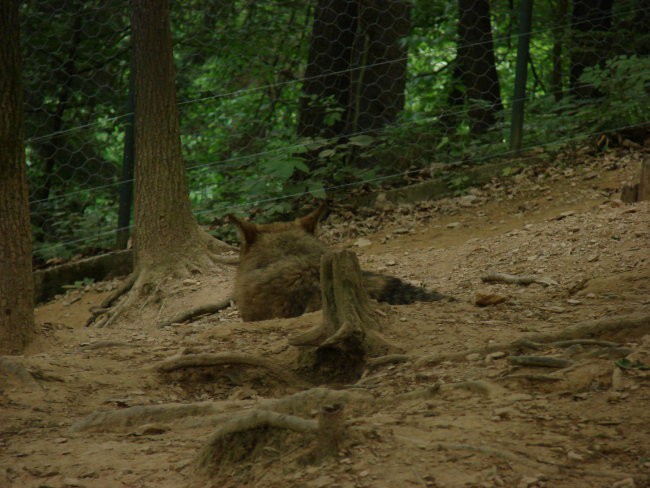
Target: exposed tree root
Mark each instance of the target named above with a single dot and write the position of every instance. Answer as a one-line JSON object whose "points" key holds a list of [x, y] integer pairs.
{"points": [[236, 436], [540, 361], [143, 285], [542, 466], [517, 279], [212, 413], [207, 360], [622, 325], [485, 388], [191, 314], [12, 368]]}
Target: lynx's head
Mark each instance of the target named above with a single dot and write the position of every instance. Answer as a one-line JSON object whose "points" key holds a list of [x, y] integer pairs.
{"points": [[249, 233]]}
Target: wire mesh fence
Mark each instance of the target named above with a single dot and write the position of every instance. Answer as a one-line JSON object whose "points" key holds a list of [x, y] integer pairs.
{"points": [[279, 100]]}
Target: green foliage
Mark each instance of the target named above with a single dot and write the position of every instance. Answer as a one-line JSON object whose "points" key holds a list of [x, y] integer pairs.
{"points": [[239, 66]]}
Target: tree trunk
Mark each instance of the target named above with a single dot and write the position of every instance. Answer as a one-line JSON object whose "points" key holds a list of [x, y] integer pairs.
{"points": [[379, 58], [164, 226], [16, 282], [327, 77], [556, 56], [356, 65], [168, 241], [476, 59], [591, 22]]}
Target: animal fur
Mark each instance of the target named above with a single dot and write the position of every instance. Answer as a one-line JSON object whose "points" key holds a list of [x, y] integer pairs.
{"points": [[279, 271]]}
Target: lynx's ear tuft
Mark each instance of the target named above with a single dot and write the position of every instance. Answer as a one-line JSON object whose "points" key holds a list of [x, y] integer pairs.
{"points": [[247, 230], [310, 221]]}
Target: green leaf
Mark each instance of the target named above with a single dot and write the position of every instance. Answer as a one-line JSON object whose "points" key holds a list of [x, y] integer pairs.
{"points": [[327, 153], [362, 140], [627, 364]]}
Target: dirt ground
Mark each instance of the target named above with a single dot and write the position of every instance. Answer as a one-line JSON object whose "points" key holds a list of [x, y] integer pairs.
{"points": [[455, 409]]}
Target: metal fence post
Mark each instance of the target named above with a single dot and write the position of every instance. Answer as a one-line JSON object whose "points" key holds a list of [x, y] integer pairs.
{"points": [[521, 71]]}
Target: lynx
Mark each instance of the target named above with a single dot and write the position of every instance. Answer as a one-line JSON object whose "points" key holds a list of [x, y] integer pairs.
{"points": [[279, 271]]}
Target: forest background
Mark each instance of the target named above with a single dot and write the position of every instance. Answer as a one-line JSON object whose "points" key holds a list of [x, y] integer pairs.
{"points": [[282, 101]]}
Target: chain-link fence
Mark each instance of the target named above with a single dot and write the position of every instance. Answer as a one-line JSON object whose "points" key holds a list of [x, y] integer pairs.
{"points": [[279, 100]]}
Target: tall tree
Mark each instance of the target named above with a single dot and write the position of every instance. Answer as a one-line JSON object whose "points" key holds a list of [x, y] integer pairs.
{"points": [[591, 22], [16, 282], [476, 61], [356, 66], [327, 77], [168, 241], [379, 58]]}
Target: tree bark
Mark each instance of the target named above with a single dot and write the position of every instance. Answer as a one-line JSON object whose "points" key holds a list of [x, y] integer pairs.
{"points": [[168, 241], [357, 65], [561, 9], [591, 21], [16, 282], [327, 77], [477, 62], [164, 225], [378, 79]]}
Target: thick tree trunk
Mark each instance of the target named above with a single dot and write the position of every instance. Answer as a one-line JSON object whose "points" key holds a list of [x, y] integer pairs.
{"points": [[379, 58], [556, 56], [591, 22], [327, 77], [476, 59], [168, 241], [16, 282], [164, 226], [357, 65]]}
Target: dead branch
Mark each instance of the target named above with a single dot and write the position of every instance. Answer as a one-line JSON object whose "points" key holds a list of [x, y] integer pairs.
{"points": [[191, 314], [102, 344], [540, 361], [220, 359], [583, 342], [494, 277], [620, 325], [388, 359]]}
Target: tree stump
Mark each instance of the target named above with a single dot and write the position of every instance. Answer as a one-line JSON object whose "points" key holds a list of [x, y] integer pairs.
{"points": [[348, 333], [644, 181]]}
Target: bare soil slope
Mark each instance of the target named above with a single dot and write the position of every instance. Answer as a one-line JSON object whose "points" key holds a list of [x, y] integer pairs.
{"points": [[456, 409]]}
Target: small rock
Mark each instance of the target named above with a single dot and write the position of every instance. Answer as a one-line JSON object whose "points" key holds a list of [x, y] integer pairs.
{"points": [[391, 262], [362, 242], [564, 215], [505, 412], [527, 481], [495, 355], [485, 299], [572, 301], [190, 282], [473, 356], [401, 230], [594, 258], [453, 225], [72, 482], [625, 483], [574, 456]]}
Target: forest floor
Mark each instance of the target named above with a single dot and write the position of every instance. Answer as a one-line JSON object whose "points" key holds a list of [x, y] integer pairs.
{"points": [[469, 416]]}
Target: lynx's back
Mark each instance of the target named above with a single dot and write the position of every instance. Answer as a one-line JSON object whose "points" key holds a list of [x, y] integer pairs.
{"points": [[279, 271]]}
